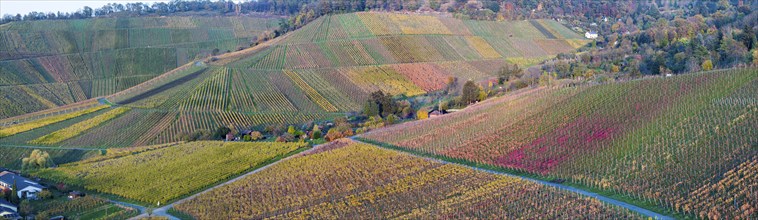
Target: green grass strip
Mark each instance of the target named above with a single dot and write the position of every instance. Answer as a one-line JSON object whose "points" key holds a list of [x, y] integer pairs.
{"points": [[78, 128], [180, 215], [607, 193], [15, 129]]}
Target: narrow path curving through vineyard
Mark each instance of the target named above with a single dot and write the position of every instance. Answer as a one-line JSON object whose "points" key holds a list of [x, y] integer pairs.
{"points": [[163, 211], [597, 196]]}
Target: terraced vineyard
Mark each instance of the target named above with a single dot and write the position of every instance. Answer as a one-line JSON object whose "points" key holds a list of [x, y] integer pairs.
{"points": [[26, 126], [78, 128], [54, 62], [168, 173], [351, 180], [319, 72], [646, 138], [369, 49]]}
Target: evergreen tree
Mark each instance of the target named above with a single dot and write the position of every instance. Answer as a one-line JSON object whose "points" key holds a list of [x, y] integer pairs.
{"points": [[316, 132], [14, 194]]}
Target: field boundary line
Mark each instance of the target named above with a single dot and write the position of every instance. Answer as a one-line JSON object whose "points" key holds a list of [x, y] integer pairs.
{"points": [[607, 200], [163, 211], [49, 148]]}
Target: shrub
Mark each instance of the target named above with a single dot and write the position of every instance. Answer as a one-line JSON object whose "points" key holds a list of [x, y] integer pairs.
{"points": [[392, 119], [422, 114], [519, 84], [316, 134], [707, 65], [339, 132], [37, 159], [286, 137], [221, 132], [197, 135], [45, 194], [255, 135]]}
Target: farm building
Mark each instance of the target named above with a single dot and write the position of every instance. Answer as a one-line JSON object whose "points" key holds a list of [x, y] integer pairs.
{"points": [[435, 113], [26, 188], [590, 35], [75, 194], [8, 210]]}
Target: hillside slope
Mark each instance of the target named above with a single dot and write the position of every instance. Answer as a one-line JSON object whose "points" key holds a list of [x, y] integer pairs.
{"points": [[415, 53], [317, 72], [50, 63], [349, 180], [686, 142]]}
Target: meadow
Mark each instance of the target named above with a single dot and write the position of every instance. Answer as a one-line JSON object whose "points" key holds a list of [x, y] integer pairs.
{"points": [[346, 179]]}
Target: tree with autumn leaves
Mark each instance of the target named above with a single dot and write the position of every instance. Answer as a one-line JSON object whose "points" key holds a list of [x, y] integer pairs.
{"points": [[342, 128]]}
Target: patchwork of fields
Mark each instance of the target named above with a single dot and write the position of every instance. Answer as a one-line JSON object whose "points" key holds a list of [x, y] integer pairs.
{"points": [[367, 39], [54, 62], [165, 173], [646, 138], [409, 54], [351, 180], [318, 72], [111, 100], [139, 127]]}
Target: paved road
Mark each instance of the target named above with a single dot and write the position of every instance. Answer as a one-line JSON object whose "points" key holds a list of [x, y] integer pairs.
{"points": [[605, 199], [162, 211], [559, 186]]}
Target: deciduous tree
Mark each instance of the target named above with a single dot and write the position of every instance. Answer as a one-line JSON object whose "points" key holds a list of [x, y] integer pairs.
{"points": [[470, 92], [707, 65]]}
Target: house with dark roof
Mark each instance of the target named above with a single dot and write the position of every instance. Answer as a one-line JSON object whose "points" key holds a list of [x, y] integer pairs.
{"points": [[8, 210], [435, 113], [26, 188]]}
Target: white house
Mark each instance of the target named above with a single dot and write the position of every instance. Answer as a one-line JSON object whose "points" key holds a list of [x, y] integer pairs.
{"points": [[590, 35], [26, 188], [8, 210]]}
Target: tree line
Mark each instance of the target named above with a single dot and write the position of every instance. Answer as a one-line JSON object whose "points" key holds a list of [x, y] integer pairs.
{"points": [[482, 9], [675, 39]]}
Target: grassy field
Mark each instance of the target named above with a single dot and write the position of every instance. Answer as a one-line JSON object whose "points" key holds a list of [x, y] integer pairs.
{"points": [[351, 180], [644, 138], [165, 174]]}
